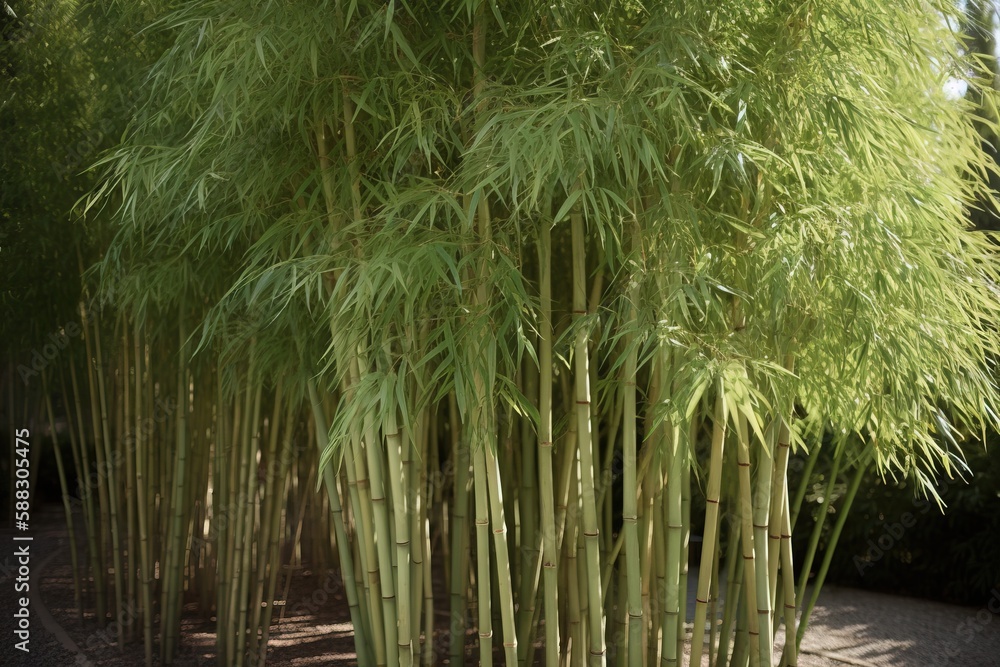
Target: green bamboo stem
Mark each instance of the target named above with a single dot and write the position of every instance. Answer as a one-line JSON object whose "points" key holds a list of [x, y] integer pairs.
{"points": [[800, 492], [343, 545], [275, 542], [459, 538], [755, 616], [100, 477], [397, 482], [789, 656], [382, 547], [142, 504], [673, 621], [549, 555], [130, 444], [499, 526], [239, 568], [817, 532], [483, 557], [76, 446], [734, 582], [711, 526], [633, 584], [64, 488], [112, 487], [852, 491], [269, 498], [589, 527]]}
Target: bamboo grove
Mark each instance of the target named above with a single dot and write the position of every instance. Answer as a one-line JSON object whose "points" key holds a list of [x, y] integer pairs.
{"points": [[521, 297]]}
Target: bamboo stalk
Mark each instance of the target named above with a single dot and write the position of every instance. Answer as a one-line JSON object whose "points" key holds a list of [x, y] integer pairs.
{"points": [[711, 526], [549, 553], [591, 532], [64, 487], [852, 491], [459, 538]]}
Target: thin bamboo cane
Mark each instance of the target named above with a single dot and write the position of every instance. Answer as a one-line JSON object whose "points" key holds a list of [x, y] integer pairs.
{"points": [[549, 553], [460, 538], [734, 582], [711, 526], [99, 475], [755, 615], [503, 565], [275, 541], [852, 492], [112, 486], [397, 483], [483, 557], [142, 503], [789, 656], [589, 527], [270, 499], [172, 590], [673, 621], [817, 532], [343, 546], [130, 445], [381, 548], [75, 447], [64, 488], [629, 481]]}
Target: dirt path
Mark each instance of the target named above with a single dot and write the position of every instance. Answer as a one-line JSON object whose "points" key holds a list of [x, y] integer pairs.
{"points": [[849, 627]]}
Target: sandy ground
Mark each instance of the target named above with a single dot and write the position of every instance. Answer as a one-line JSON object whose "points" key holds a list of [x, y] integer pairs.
{"points": [[848, 627]]}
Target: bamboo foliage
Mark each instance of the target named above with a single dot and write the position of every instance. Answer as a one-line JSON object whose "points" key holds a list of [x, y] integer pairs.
{"points": [[402, 290]]}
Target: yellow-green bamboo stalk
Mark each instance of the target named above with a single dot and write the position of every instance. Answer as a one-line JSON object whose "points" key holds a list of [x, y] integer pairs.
{"points": [[142, 504], [483, 557], [64, 488], [382, 531], [711, 526], [549, 555], [503, 564], [274, 544], [845, 508], [112, 485], [755, 615], [629, 479], [589, 527], [789, 657], [99, 477], [817, 532], [673, 621], [130, 445], [459, 537], [397, 482], [343, 545]]}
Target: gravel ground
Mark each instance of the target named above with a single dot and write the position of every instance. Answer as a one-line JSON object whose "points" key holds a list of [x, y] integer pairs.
{"points": [[848, 626]]}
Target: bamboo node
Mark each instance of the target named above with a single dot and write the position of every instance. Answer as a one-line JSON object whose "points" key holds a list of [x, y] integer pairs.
{"points": [[743, 465], [486, 635], [583, 402], [713, 501], [750, 557], [701, 601], [596, 533], [760, 525]]}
